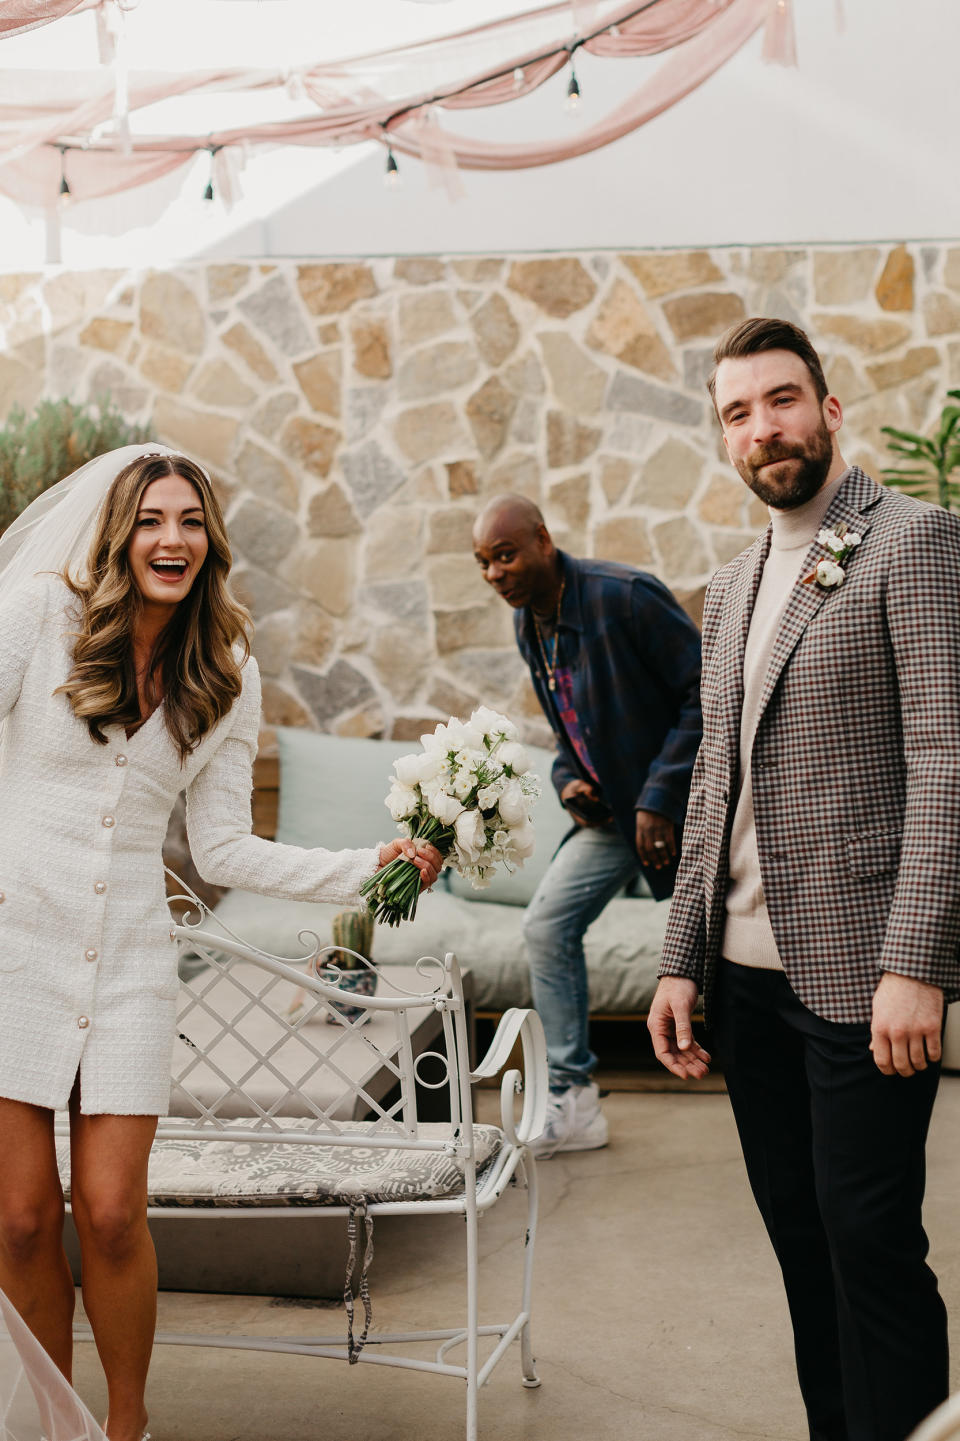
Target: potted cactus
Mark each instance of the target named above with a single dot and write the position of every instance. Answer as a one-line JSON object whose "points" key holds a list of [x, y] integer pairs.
{"points": [[352, 934]]}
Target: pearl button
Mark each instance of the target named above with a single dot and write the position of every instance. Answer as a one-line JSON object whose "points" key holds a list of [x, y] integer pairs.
{"points": [[121, 760], [99, 887], [173, 934], [82, 1022], [108, 821], [90, 955]]}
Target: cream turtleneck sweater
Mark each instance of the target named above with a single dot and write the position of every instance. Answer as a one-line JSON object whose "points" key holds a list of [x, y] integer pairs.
{"points": [[748, 936]]}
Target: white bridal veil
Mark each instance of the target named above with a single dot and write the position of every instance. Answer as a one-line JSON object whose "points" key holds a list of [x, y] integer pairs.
{"points": [[56, 529], [36, 1403]]}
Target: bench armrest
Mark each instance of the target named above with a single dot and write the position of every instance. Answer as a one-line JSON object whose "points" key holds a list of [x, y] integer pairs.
{"points": [[531, 1083]]}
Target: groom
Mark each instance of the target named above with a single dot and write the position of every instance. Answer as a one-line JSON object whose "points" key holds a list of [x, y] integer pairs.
{"points": [[818, 898]]}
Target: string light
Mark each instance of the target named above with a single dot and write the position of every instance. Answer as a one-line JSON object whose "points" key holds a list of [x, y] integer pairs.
{"points": [[66, 194], [572, 102], [296, 90], [209, 194]]}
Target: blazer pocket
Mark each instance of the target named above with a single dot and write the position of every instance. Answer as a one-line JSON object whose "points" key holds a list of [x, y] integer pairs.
{"points": [[17, 924], [873, 853]]}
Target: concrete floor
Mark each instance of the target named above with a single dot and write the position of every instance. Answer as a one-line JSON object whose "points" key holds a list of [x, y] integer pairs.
{"points": [[658, 1313]]}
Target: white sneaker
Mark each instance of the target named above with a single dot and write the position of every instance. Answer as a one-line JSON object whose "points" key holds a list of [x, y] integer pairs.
{"points": [[574, 1122]]}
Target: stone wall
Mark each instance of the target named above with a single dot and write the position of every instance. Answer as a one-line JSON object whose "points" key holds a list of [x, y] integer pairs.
{"points": [[355, 415]]}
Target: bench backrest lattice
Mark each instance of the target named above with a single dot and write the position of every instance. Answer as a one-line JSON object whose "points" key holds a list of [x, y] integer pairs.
{"points": [[262, 1037]]}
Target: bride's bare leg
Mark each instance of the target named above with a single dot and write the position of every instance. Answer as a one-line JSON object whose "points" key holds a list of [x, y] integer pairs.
{"points": [[33, 1267], [119, 1265]]}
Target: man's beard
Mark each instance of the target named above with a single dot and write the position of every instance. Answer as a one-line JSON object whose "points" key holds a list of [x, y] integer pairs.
{"points": [[790, 491]]}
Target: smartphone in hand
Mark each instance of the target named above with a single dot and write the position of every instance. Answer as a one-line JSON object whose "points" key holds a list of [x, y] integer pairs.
{"points": [[589, 808]]}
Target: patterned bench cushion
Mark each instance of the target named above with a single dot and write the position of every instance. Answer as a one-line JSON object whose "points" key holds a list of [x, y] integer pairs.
{"points": [[204, 1172]]}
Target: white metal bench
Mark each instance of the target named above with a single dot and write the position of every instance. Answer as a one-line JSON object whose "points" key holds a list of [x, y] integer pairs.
{"points": [[267, 1094]]}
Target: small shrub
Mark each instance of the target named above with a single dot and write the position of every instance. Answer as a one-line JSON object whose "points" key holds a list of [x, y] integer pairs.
{"points": [[38, 450]]}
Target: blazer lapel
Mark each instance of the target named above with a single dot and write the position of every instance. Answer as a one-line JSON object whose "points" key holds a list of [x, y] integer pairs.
{"points": [[738, 603], [847, 507]]}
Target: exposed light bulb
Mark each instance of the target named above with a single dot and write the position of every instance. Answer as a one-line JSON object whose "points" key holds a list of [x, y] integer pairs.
{"points": [[66, 194], [391, 177], [209, 195], [572, 102]]}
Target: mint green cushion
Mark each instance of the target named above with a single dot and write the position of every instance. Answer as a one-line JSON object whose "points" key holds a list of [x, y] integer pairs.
{"points": [[333, 788]]}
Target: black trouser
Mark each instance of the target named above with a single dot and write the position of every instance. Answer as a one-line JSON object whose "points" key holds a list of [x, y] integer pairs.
{"points": [[835, 1156]]}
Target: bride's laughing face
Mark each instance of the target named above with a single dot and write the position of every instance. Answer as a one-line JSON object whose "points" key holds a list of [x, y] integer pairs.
{"points": [[169, 542]]}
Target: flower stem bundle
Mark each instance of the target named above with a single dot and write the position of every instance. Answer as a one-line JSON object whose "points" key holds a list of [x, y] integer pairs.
{"points": [[392, 893]]}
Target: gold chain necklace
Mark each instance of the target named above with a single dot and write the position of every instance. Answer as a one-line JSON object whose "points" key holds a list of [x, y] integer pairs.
{"points": [[550, 662]]}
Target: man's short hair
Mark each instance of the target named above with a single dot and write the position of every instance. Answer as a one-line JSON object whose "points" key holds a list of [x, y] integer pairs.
{"points": [[752, 336]]}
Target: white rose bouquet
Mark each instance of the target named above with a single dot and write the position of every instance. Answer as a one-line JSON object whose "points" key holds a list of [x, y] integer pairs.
{"points": [[469, 793]]}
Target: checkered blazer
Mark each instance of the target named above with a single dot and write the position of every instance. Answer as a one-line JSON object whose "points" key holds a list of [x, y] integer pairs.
{"points": [[856, 763]]}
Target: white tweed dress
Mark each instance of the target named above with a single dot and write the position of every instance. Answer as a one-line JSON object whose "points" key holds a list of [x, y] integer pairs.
{"points": [[88, 975]]}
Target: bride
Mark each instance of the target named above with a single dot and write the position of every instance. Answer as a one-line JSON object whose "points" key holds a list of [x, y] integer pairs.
{"points": [[125, 677]]}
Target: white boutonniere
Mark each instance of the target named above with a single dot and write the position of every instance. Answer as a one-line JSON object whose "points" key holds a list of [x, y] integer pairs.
{"points": [[828, 574]]}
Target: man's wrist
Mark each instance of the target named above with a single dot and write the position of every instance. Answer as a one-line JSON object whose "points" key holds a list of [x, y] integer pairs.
{"points": [[906, 976], [656, 800]]}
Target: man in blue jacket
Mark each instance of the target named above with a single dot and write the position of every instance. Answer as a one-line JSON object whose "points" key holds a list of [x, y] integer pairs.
{"points": [[615, 663]]}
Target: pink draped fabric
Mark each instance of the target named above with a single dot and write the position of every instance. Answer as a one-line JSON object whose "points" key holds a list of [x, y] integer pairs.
{"points": [[780, 36], [702, 34], [437, 153], [19, 15]]}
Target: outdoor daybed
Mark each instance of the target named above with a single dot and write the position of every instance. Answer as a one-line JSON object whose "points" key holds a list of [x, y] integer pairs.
{"points": [[331, 793]]}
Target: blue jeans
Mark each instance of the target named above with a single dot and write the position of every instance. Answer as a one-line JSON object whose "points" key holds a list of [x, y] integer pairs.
{"points": [[583, 876]]}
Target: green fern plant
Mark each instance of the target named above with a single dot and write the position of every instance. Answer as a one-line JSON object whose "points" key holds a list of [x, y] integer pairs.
{"points": [[929, 464], [38, 450]]}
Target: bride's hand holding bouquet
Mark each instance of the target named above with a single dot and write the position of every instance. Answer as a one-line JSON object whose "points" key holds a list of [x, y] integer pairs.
{"points": [[421, 854]]}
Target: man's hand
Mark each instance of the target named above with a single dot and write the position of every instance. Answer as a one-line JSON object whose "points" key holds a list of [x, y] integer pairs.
{"points": [[905, 1032], [425, 857], [579, 788], [656, 839], [671, 1032]]}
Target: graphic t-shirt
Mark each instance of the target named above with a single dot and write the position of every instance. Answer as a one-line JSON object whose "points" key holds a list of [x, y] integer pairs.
{"points": [[569, 718]]}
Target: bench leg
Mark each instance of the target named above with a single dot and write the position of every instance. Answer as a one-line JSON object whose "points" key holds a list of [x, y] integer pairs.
{"points": [[473, 1302], [528, 1369]]}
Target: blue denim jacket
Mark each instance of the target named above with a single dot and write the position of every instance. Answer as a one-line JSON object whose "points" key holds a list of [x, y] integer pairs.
{"points": [[635, 662]]}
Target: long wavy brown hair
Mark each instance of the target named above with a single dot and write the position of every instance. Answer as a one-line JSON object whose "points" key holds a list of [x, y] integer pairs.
{"points": [[194, 667]]}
